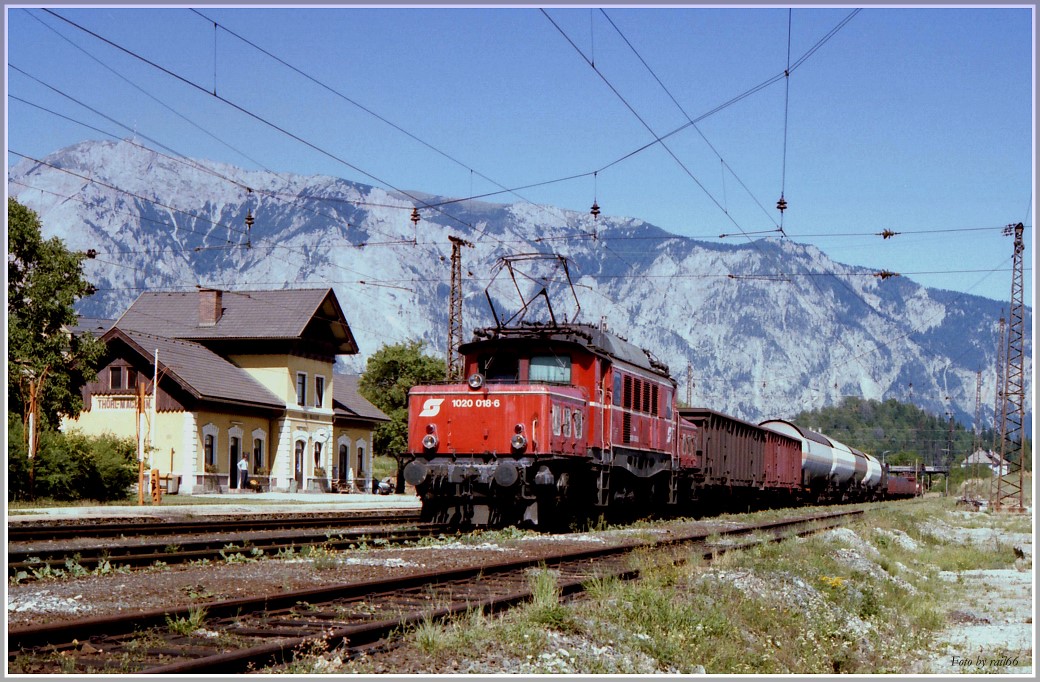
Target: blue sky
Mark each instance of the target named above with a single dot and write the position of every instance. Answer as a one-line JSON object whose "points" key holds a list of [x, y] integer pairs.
{"points": [[919, 121]]}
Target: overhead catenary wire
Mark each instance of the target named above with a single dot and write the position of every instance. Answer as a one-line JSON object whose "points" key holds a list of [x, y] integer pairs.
{"points": [[657, 138], [151, 96], [271, 124]]}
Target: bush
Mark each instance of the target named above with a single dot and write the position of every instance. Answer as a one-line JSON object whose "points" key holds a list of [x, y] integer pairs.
{"points": [[70, 466]]}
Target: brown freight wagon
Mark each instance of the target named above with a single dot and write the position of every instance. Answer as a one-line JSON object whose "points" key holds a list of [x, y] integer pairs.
{"points": [[744, 459]]}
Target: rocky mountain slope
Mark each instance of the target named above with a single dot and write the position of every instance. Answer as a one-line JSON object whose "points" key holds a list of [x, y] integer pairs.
{"points": [[765, 328]]}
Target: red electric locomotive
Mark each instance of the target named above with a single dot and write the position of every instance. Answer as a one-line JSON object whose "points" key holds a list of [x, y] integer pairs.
{"points": [[555, 421]]}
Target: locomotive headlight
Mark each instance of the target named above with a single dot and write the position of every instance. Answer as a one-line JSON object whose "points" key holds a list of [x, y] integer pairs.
{"points": [[519, 440], [475, 380], [430, 441]]}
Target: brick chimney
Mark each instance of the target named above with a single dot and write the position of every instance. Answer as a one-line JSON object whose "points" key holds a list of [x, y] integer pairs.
{"points": [[210, 308]]}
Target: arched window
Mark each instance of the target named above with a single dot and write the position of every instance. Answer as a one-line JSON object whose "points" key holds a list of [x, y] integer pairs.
{"points": [[259, 445], [298, 460], [361, 459], [210, 443], [317, 454], [344, 463]]}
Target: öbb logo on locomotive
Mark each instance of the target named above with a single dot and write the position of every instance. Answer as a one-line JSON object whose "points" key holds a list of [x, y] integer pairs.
{"points": [[585, 424], [431, 407]]}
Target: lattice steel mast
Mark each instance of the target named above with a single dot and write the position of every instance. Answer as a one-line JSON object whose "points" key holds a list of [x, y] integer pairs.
{"points": [[454, 370], [1010, 485]]}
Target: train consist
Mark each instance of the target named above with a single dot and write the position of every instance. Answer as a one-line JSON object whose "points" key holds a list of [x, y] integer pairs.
{"points": [[558, 422]]}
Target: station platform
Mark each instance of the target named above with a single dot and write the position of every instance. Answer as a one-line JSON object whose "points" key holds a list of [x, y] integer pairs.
{"points": [[218, 504]]}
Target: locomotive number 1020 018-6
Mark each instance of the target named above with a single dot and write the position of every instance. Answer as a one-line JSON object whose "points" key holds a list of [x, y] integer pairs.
{"points": [[479, 402]]}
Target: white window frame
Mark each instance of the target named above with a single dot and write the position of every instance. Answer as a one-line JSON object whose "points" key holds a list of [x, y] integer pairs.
{"points": [[258, 435], [211, 429], [319, 398], [301, 395]]}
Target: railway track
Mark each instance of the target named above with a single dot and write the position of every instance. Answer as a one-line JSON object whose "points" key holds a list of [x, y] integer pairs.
{"points": [[35, 532], [183, 549], [248, 634], [119, 544]]}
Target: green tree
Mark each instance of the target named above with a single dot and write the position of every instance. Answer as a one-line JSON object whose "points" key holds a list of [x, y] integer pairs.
{"points": [[70, 466], [46, 366], [45, 280], [389, 373]]}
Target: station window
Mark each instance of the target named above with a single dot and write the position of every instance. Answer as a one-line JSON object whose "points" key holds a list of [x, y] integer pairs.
{"points": [[301, 388], [208, 448], [298, 459], [131, 378], [319, 391], [115, 378], [552, 369], [258, 453]]}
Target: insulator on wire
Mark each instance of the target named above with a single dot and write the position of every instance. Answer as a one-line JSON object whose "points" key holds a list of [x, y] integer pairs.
{"points": [[415, 216], [595, 210], [781, 204], [249, 219], [91, 253]]}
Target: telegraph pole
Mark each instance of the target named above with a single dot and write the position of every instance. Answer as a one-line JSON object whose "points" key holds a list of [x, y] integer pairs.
{"points": [[454, 371], [140, 443], [1010, 485]]}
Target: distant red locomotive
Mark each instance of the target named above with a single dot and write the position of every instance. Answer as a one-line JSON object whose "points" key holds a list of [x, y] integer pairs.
{"points": [[558, 422]]}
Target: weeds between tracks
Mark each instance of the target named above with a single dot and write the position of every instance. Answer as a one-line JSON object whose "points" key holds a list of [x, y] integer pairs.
{"points": [[864, 599]]}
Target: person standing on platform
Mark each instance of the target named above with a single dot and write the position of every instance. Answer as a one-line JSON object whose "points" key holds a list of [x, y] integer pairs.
{"points": [[243, 472]]}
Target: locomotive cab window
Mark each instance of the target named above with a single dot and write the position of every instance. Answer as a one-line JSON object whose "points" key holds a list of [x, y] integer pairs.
{"points": [[502, 369], [550, 369]]}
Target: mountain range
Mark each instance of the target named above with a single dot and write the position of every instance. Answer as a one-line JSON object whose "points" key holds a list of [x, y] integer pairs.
{"points": [[760, 329]]}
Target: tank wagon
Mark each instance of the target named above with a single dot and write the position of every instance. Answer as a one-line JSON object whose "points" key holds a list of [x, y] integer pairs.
{"points": [[557, 422], [832, 472]]}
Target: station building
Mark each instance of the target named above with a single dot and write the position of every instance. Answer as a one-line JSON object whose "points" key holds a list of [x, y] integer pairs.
{"points": [[203, 377]]}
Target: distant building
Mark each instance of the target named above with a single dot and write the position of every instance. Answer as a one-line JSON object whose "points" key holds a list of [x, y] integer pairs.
{"points": [[986, 458], [239, 372]]}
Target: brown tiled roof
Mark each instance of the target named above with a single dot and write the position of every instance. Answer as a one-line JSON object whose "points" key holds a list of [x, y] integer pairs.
{"points": [[348, 402], [199, 370], [274, 314]]}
